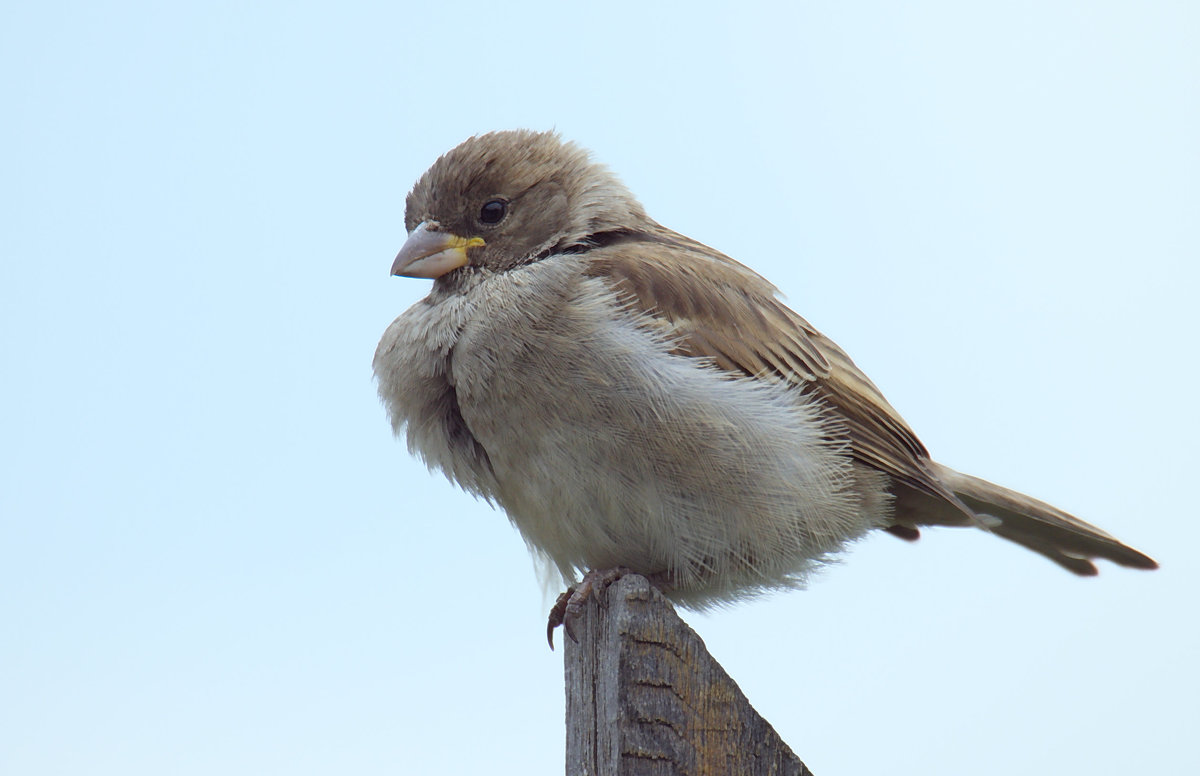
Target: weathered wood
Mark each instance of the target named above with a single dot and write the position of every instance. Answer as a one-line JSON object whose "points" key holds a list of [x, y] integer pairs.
{"points": [[644, 698]]}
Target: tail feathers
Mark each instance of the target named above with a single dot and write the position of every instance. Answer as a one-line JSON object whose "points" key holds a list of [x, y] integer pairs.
{"points": [[1063, 538]]}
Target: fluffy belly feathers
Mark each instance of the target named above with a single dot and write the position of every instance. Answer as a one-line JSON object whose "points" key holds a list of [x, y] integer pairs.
{"points": [[637, 457]]}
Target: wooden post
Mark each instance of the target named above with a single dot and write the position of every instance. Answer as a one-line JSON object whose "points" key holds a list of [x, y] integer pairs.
{"points": [[645, 698]]}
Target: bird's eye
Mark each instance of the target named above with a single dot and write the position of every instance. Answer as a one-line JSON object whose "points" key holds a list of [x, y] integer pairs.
{"points": [[492, 211]]}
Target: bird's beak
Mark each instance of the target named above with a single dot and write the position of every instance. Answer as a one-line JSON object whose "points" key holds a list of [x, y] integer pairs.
{"points": [[431, 253]]}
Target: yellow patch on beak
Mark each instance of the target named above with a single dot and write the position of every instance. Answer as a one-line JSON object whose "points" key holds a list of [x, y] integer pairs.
{"points": [[431, 253]]}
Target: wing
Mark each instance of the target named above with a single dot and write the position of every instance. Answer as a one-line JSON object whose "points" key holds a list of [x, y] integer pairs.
{"points": [[724, 311]]}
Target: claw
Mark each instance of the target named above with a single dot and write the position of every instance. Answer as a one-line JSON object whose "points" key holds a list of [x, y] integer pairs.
{"points": [[569, 607], [557, 613]]}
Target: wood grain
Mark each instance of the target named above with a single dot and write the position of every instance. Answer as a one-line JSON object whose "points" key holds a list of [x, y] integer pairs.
{"points": [[644, 698]]}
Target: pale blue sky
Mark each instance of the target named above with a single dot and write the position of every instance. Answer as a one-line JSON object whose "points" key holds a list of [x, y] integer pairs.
{"points": [[215, 559]]}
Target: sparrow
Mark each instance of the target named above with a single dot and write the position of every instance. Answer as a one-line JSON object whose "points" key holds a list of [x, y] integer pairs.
{"points": [[637, 401]]}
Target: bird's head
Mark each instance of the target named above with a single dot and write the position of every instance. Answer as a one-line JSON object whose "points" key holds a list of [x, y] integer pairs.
{"points": [[504, 199]]}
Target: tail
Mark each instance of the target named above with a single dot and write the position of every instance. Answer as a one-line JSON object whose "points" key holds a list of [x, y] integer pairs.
{"points": [[1063, 538]]}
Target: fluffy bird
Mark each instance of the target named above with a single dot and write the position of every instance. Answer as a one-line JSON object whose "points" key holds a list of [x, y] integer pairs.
{"points": [[638, 401]]}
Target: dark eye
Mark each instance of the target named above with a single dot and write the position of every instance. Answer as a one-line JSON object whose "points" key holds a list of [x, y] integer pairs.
{"points": [[492, 211]]}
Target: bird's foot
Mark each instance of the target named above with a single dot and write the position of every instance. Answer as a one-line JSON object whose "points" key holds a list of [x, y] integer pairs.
{"points": [[569, 607]]}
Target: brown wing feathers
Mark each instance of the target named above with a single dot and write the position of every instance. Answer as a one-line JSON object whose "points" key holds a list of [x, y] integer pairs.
{"points": [[719, 309]]}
